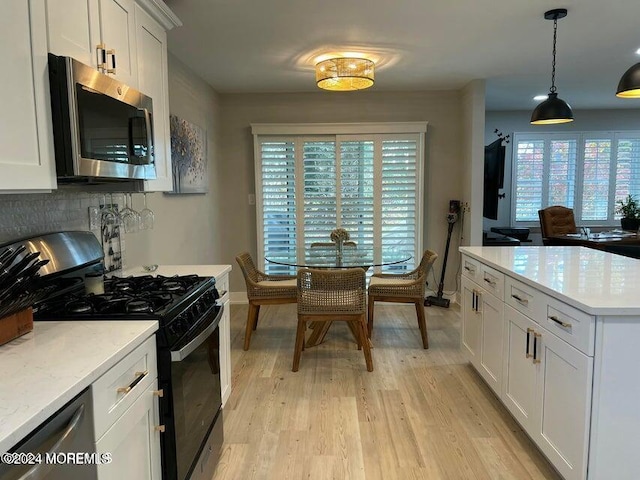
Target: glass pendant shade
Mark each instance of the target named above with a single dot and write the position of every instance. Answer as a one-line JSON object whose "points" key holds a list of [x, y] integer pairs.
{"points": [[629, 85], [345, 74], [551, 111]]}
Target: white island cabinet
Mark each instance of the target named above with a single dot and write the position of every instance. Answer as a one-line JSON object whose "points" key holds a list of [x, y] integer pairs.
{"points": [[221, 274], [568, 344]]}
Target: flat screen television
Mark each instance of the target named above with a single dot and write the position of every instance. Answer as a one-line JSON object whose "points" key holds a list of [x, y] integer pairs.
{"points": [[493, 178]]}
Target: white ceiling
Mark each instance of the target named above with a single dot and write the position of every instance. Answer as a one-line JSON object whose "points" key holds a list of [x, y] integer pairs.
{"points": [[242, 46]]}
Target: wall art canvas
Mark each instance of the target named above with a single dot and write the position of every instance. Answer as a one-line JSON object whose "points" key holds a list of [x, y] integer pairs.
{"points": [[188, 157]]}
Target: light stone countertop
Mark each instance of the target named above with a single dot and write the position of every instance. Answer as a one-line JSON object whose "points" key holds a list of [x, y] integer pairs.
{"points": [[170, 270], [594, 281], [44, 369]]}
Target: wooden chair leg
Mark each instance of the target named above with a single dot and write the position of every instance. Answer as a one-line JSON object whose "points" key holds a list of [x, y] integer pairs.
{"points": [[364, 340], [299, 345], [252, 316], [355, 331], [370, 316], [422, 324], [255, 319]]}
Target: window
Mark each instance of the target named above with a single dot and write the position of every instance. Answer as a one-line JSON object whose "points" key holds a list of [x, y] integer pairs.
{"points": [[361, 178], [586, 171]]}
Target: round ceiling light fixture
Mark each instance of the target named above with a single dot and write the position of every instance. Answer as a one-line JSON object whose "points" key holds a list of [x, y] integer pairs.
{"points": [[344, 74]]}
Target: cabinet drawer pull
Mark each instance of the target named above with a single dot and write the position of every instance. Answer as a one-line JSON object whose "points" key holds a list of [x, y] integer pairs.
{"points": [[159, 428], [536, 336], [469, 269], [524, 301], [559, 322], [138, 379], [529, 332], [490, 282]]}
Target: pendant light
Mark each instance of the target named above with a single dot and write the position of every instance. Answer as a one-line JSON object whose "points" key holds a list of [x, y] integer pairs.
{"points": [[629, 85], [553, 110]]}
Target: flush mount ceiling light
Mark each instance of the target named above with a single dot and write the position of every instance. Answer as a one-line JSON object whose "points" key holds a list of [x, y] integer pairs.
{"points": [[629, 85], [553, 109], [344, 74]]}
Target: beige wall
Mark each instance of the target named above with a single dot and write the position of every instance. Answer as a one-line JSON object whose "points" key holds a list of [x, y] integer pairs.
{"points": [[443, 154], [187, 227]]}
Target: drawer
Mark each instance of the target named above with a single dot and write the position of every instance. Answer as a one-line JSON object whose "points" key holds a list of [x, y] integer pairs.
{"points": [[492, 281], [527, 300], [570, 324], [115, 391], [471, 269]]}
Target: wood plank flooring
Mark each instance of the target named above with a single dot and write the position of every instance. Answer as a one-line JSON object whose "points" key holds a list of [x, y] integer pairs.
{"points": [[421, 414]]}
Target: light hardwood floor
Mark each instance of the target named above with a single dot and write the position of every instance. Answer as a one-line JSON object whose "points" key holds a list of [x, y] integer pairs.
{"points": [[421, 414]]}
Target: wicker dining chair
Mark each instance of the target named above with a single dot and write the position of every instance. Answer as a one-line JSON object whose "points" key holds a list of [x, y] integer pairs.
{"points": [[326, 295], [403, 288], [263, 289]]}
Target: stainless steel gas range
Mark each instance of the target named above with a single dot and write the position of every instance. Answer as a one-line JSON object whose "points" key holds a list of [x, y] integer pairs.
{"points": [[188, 313]]}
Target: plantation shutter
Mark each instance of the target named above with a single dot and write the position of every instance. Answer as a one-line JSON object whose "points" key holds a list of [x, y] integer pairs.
{"points": [[529, 179], [278, 203], [627, 168], [562, 172], [356, 186], [320, 202], [596, 173], [399, 198]]}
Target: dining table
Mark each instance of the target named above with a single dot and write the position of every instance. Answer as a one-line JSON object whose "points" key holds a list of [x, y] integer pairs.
{"points": [[335, 256]]}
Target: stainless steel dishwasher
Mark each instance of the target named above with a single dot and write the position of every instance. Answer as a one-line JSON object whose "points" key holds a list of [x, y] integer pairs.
{"points": [[62, 448]]}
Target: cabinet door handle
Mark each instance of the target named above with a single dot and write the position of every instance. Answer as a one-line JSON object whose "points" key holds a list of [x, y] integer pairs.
{"points": [[490, 282], [529, 332], [112, 53], [536, 336], [159, 428], [101, 55], [560, 322], [524, 301], [137, 380]]}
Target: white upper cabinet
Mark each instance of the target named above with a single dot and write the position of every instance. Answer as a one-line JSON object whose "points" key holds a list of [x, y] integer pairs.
{"points": [[81, 28], [26, 138], [151, 40], [74, 29]]}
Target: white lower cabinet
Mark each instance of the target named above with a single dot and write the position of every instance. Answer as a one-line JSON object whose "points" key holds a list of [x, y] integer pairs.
{"points": [[133, 442], [482, 332], [547, 386], [222, 284], [543, 381], [126, 417]]}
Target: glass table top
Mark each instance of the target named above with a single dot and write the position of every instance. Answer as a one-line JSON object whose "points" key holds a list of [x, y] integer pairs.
{"points": [[330, 257]]}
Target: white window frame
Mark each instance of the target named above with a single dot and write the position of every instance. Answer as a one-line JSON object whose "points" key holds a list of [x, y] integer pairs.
{"points": [[580, 137], [338, 132]]}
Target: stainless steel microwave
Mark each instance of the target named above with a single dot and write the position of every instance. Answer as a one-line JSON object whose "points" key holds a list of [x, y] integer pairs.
{"points": [[102, 128]]}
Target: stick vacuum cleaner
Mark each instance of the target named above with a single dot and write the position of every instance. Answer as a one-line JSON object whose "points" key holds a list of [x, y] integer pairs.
{"points": [[452, 218]]}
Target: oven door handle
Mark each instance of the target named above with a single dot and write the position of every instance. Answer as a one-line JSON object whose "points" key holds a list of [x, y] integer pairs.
{"points": [[179, 355]]}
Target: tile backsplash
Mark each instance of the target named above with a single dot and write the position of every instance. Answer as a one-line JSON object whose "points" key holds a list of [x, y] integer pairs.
{"points": [[25, 215]]}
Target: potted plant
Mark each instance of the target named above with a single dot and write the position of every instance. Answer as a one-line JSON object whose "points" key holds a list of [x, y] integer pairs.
{"points": [[630, 211]]}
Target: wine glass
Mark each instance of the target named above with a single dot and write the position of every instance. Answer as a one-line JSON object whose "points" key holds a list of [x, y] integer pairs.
{"points": [[108, 212], [130, 218], [146, 216]]}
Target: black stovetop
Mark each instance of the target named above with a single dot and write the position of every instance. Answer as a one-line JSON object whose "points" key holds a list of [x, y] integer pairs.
{"points": [[177, 302]]}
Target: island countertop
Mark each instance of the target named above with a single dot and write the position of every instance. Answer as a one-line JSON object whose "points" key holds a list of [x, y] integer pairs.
{"points": [[44, 369], [596, 282]]}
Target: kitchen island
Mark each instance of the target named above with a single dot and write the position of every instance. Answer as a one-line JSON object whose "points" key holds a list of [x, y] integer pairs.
{"points": [[554, 331]]}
